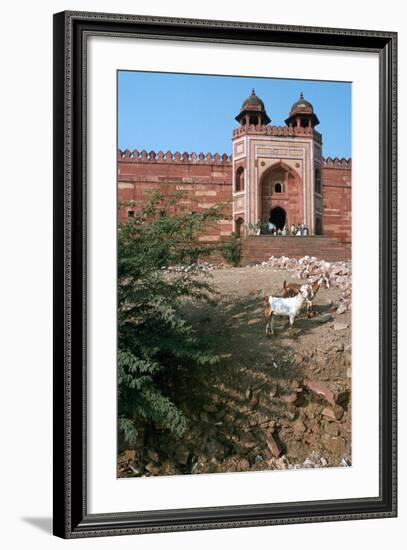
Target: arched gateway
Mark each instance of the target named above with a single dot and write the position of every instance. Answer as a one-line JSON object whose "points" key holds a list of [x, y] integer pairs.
{"points": [[282, 167], [281, 196], [278, 217]]}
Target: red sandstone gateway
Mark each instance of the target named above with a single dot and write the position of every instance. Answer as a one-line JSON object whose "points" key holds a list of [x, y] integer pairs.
{"points": [[275, 173]]}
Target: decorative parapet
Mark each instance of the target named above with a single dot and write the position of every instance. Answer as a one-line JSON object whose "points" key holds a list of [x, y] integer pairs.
{"points": [[285, 131], [177, 157], [342, 163]]}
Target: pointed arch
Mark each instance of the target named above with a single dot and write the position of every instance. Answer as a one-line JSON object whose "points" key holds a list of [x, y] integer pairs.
{"points": [[280, 185]]}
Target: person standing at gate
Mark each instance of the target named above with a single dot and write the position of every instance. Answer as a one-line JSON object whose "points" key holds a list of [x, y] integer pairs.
{"points": [[271, 227]]}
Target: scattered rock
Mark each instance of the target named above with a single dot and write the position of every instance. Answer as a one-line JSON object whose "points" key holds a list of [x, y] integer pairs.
{"points": [[314, 460], [290, 398], [298, 360], [338, 412], [328, 412], [129, 455], [296, 386], [341, 309], [294, 448], [299, 427], [168, 468], [331, 428], [334, 413], [153, 469], [273, 445], [182, 455], [346, 461], [153, 455], [335, 445], [242, 465], [136, 471], [340, 326], [247, 440], [332, 393]]}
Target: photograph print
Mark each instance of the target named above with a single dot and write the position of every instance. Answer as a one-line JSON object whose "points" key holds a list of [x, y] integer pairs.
{"points": [[234, 239]]}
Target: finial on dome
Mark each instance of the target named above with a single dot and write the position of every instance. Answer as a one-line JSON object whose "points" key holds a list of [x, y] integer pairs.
{"points": [[301, 95], [253, 92]]}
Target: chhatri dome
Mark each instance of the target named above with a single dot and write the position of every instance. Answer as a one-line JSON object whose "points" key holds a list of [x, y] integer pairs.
{"points": [[252, 100], [253, 111], [303, 111]]}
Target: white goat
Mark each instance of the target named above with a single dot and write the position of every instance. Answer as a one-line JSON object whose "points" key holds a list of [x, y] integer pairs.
{"points": [[289, 307]]}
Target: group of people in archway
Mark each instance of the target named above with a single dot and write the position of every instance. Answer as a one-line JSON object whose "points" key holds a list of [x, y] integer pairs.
{"points": [[299, 230], [277, 225]]}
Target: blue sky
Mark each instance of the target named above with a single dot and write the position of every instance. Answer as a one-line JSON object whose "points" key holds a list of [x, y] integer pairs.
{"points": [[179, 112]]}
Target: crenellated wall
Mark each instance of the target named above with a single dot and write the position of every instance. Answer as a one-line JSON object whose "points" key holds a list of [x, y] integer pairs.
{"points": [[203, 179], [206, 179], [281, 131], [152, 156], [337, 198]]}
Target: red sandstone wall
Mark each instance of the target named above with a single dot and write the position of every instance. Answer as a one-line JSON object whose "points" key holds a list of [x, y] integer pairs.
{"points": [[203, 180], [206, 180], [337, 199]]}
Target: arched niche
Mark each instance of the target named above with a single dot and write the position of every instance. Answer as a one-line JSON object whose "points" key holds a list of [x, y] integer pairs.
{"points": [[281, 186]]}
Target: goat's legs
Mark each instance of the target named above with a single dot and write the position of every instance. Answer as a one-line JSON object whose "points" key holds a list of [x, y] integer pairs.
{"points": [[292, 317], [269, 325]]}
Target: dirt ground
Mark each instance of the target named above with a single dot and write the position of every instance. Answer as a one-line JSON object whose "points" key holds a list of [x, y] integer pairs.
{"points": [[272, 403]]}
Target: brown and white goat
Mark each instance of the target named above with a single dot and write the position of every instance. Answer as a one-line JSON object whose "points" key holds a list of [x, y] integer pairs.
{"points": [[292, 289], [289, 307]]}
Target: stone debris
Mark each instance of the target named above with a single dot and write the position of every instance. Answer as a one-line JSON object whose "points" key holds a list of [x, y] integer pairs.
{"points": [[310, 267], [273, 445], [194, 267], [334, 413], [314, 460], [346, 461], [182, 455], [340, 326], [331, 392]]}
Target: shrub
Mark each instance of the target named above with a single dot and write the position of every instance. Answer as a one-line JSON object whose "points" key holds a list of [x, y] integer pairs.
{"points": [[154, 340], [231, 249]]}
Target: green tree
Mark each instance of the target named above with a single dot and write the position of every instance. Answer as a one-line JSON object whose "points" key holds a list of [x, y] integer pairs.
{"points": [[154, 339]]}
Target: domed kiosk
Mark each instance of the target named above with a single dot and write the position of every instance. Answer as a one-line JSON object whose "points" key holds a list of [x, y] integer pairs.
{"points": [[302, 114], [253, 111]]}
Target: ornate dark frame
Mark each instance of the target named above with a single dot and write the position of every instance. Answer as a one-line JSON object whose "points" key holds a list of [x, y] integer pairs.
{"points": [[71, 518]]}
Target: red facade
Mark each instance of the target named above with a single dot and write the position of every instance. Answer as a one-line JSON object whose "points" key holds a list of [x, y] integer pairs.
{"points": [[205, 180]]}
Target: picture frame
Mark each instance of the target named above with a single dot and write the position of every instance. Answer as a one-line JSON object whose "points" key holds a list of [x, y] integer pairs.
{"points": [[71, 516]]}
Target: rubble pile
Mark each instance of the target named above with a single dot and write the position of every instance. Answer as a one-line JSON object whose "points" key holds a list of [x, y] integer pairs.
{"points": [[194, 267], [312, 430], [311, 268]]}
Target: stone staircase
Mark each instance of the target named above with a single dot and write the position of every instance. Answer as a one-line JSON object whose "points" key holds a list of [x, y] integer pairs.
{"points": [[259, 248]]}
